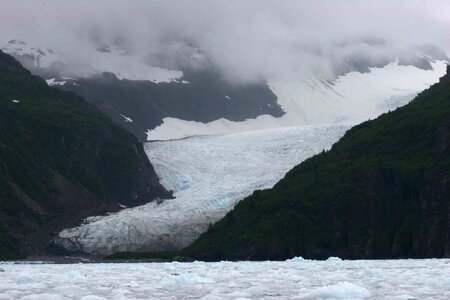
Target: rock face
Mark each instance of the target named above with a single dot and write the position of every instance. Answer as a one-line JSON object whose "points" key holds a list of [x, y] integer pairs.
{"points": [[139, 101], [382, 191], [60, 160], [201, 96]]}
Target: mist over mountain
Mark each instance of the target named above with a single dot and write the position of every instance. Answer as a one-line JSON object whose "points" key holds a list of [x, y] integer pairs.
{"points": [[246, 41], [170, 70]]}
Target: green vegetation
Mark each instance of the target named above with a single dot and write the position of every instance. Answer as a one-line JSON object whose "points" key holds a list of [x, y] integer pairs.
{"points": [[60, 160], [382, 191]]}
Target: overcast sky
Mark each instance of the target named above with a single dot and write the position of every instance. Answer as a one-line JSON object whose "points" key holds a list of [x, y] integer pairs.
{"points": [[246, 39]]}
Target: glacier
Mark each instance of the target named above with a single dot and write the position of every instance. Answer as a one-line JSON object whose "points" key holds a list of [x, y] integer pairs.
{"points": [[292, 279], [209, 175], [210, 167]]}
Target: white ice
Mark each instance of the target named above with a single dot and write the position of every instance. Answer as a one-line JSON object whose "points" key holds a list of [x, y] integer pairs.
{"points": [[294, 279], [353, 98], [208, 174], [54, 81]]}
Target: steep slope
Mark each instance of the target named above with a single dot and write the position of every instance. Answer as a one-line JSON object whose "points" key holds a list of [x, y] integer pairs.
{"points": [[208, 175], [60, 161], [202, 96], [138, 96], [156, 103], [382, 191], [350, 99]]}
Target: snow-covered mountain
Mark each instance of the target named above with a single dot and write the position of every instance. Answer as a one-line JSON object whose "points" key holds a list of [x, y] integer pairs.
{"points": [[169, 104], [120, 83], [47, 62], [351, 99], [33, 58], [255, 131]]}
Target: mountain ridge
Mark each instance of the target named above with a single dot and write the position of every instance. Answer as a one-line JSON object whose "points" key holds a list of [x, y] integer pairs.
{"points": [[61, 160], [381, 192]]}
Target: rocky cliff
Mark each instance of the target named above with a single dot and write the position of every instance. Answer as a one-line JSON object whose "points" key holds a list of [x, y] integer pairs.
{"points": [[60, 160]]}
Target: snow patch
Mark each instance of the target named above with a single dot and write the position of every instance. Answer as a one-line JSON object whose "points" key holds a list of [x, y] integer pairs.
{"points": [[54, 81], [126, 119]]}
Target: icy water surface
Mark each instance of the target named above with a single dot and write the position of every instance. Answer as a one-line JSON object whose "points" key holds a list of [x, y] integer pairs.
{"points": [[293, 279]]}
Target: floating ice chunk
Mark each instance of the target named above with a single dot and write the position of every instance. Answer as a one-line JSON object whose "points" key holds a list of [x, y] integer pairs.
{"points": [[72, 290], [342, 290], [404, 297], [25, 279], [44, 297], [239, 295], [211, 297], [334, 259], [92, 297], [122, 206], [184, 278], [298, 259], [74, 275], [185, 82]]}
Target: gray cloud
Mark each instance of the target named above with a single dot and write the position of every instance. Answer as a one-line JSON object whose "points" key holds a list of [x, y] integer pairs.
{"points": [[247, 40]]}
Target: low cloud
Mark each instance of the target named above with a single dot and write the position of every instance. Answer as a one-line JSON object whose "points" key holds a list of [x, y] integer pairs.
{"points": [[245, 40]]}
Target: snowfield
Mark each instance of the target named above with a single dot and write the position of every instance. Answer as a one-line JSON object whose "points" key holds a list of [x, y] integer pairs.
{"points": [[109, 59], [352, 99], [208, 175], [292, 279]]}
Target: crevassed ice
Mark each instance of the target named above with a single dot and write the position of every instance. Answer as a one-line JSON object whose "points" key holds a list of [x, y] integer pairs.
{"points": [[208, 174]]}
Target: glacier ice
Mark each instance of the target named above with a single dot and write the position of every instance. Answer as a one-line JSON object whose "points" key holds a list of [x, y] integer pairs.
{"points": [[208, 175], [353, 98]]}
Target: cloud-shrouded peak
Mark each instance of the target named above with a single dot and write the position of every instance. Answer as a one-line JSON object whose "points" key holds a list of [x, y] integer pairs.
{"points": [[246, 40]]}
